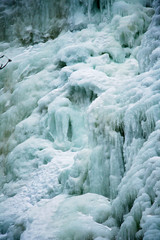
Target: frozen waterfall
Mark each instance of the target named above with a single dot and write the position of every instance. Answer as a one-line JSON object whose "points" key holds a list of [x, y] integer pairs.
{"points": [[80, 120]]}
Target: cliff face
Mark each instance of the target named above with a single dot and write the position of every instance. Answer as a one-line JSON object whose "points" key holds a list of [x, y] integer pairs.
{"points": [[79, 120]]}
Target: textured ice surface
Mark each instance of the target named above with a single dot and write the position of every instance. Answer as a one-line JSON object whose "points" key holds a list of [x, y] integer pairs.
{"points": [[76, 217], [80, 122]]}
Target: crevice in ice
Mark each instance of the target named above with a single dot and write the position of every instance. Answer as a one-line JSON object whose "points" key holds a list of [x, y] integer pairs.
{"points": [[61, 64], [80, 95], [69, 133], [120, 129], [97, 2]]}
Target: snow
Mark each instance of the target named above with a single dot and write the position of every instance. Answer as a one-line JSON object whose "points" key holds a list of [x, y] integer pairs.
{"points": [[79, 121], [79, 222]]}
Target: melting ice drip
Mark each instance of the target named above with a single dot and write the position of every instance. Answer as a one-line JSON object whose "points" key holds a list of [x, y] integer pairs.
{"points": [[79, 132]]}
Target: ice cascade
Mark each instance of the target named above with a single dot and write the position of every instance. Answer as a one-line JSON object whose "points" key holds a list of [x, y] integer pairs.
{"points": [[80, 120]]}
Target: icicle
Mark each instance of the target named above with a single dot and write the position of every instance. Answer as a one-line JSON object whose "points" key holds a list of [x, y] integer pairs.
{"points": [[89, 9]]}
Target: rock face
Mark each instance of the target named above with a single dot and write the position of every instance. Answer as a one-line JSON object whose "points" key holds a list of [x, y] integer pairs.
{"points": [[80, 120]]}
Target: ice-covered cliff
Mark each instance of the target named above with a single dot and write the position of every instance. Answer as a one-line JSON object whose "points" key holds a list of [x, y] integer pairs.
{"points": [[80, 120]]}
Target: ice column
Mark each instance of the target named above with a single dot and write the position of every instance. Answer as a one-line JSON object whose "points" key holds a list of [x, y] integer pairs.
{"points": [[148, 55]]}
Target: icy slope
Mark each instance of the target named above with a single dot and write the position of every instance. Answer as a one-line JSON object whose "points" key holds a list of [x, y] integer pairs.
{"points": [[79, 132]]}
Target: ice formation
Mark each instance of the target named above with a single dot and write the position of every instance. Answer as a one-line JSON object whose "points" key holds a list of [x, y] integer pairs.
{"points": [[80, 120]]}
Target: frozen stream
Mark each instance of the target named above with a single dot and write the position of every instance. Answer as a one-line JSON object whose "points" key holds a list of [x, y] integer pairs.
{"points": [[80, 120]]}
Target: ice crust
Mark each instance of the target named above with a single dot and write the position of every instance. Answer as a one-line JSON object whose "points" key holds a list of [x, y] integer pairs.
{"points": [[80, 123]]}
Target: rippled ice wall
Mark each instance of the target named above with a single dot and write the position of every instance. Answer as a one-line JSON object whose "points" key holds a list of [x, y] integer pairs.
{"points": [[80, 120]]}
